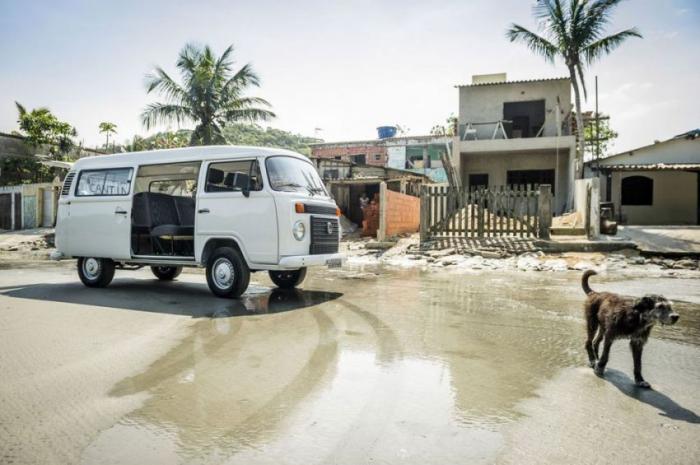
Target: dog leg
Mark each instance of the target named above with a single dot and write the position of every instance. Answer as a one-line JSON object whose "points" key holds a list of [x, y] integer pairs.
{"points": [[603, 360], [597, 341], [637, 345], [591, 328]]}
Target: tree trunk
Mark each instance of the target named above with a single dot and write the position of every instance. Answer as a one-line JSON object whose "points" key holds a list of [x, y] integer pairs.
{"points": [[578, 173]]}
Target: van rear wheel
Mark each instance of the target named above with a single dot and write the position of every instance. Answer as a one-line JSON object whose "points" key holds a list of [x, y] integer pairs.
{"points": [[95, 272], [227, 273], [287, 279], [166, 273]]}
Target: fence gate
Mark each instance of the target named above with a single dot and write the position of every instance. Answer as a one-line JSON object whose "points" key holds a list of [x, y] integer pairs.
{"points": [[515, 211]]}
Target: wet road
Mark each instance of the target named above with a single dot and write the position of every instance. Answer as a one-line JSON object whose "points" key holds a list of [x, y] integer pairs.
{"points": [[354, 368]]}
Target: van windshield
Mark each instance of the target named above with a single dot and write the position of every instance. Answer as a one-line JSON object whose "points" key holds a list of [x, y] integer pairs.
{"points": [[293, 175]]}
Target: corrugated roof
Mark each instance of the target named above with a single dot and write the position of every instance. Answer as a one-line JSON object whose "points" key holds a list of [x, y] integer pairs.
{"points": [[653, 167], [379, 141], [524, 81]]}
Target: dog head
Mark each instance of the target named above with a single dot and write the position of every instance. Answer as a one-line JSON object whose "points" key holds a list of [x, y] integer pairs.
{"points": [[656, 309]]}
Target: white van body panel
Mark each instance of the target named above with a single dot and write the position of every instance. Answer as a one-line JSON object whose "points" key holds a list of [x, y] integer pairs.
{"points": [[261, 224], [251, 220], [97, 230]]}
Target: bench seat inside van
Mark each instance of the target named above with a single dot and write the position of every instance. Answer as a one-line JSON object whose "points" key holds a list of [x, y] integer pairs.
{"points": [[163, 218]]}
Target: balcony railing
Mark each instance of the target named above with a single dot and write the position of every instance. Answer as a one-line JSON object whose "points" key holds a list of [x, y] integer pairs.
{"points": [[503, 129]]}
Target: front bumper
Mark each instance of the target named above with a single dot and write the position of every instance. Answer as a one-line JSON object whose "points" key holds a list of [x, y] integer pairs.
{"points": [[299, 261]]}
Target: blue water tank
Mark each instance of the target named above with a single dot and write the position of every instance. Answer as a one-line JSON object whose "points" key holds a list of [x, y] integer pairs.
{"points": [[385, 132]]}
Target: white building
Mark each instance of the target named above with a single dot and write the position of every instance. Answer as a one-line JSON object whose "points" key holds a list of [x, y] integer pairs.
{"points": [[656, 184]]}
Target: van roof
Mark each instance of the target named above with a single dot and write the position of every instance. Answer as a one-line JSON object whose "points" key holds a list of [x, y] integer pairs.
{"points": [[153, 157]]}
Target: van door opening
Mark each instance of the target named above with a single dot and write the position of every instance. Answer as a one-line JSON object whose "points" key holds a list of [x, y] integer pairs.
{"points": [[162, 220]]}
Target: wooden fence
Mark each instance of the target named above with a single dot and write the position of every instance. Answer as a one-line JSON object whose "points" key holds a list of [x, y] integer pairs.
{"points": [[515, 211]]}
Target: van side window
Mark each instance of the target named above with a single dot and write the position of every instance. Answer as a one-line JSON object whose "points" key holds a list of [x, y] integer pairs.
{"points": [[107, 182], [233, 176]]}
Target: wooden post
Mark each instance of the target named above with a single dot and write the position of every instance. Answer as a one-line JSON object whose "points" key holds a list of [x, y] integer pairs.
{"points": [[544, 211], [424, 219]]}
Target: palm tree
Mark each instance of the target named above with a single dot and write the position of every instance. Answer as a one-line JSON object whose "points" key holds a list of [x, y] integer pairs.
{"points": [[211, 95], [573, 33], [107, 128]]}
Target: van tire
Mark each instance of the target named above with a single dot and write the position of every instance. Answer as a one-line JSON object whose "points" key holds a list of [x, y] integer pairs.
{"points": [[166, 273], [95, 272], [227, 273], [288, 279]]}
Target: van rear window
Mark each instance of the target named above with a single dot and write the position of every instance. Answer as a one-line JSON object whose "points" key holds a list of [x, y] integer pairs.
{"points": [[107, 182]]}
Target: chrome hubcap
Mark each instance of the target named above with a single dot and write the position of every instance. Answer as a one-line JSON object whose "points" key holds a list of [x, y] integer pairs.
{"points": [[91, 268], [223, 273]]}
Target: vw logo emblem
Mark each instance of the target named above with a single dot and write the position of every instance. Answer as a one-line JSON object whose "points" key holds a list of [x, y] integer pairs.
{"points": [[329, 227]]}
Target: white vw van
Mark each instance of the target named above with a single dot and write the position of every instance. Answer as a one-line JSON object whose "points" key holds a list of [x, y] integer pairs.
{"points": [[233, 210]]}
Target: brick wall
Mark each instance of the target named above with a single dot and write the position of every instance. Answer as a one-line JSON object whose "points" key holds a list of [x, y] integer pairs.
{"points": [[402, 213], [374, 154]]}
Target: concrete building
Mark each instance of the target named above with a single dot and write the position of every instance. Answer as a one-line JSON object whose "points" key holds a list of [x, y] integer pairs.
{"points": [[419, 154], [516, 132], [656, 184]]}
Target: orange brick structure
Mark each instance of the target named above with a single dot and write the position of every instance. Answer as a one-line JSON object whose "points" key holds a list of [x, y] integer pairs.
{"points": [[399, 213]]}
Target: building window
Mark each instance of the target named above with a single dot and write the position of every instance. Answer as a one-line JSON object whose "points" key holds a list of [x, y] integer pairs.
{"points": [[531, 177], [377, 157], [637, 190], [360, 159], [478, 181]]}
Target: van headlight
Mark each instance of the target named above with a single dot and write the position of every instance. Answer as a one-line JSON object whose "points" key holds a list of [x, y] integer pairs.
{"points": [[299, 230]]}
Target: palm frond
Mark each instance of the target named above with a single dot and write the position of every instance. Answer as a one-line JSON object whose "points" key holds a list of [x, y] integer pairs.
{"points": [[607, 44], [164, 113], [20, 109], [247, 114], [161, 81], [534, 42]]}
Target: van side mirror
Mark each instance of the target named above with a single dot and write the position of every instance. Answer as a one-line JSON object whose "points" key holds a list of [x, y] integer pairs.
{"points": [[246, 190]]}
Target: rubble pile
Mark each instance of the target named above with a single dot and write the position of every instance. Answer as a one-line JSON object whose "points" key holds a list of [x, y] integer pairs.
{"points": [[407, 253]]}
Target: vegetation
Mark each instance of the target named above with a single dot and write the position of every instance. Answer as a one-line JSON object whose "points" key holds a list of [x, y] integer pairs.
{"points": [[599, 137], [107, 128], [234, 134], [211, 95], [447, 129], [574, 33], [41, 127]]}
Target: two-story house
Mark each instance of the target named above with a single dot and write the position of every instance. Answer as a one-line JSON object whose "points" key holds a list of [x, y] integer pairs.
{"points": [[516, 133]]}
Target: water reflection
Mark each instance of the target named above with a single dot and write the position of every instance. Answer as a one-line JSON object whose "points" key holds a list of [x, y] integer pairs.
{"points": [[411, 367]]}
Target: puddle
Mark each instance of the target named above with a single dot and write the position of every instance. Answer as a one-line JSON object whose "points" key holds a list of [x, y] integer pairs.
{"points": [[410, 368]]}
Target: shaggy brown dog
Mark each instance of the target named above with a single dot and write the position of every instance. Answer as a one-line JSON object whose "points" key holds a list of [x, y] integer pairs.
{"points": [[613, 317]]}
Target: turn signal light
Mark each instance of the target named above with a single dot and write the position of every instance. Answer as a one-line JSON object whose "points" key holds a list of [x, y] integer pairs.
{"points": [[337, 211], [299, 207]]}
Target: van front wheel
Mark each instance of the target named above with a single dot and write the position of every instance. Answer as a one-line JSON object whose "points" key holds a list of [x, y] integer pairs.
{"points": [[166, 273], [95, 272], [287, 279], [227, 273]]}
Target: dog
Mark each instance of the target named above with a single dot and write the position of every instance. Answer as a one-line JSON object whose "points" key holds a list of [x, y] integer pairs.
{"points": [[613, 317]]}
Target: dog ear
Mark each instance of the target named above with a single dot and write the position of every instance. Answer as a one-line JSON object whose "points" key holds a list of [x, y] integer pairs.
{"points": [[644, 304]]}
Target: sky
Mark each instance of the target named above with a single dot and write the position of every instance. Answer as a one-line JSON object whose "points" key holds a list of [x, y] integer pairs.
{"points": [[336, 70]]}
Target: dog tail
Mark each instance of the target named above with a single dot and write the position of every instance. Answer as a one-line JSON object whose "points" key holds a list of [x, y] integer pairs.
{"points": [[584, 281]]}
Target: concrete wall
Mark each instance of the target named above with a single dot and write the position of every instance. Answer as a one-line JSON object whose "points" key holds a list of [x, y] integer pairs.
{"points": [[484, 103], [398, 213], [32, 206], [675, 199], [587, 204], [497, 165]]}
